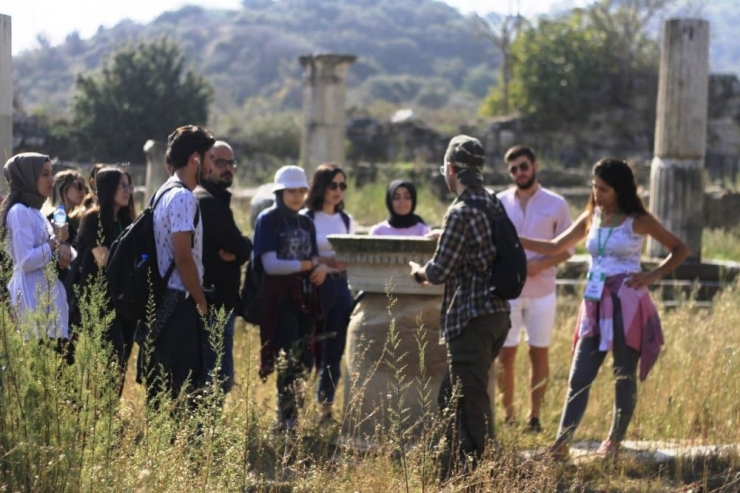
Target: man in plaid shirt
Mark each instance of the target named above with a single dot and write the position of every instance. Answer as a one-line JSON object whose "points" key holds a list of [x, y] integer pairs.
{"points": [[475, 323]]}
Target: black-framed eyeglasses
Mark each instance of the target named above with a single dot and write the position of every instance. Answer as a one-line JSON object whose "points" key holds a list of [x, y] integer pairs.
{"points": [[222, 163], [523, 167], [341, 186], [126, 188]]}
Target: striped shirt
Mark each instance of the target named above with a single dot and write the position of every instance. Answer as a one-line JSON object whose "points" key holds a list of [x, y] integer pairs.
{"points": [[462, 261]]}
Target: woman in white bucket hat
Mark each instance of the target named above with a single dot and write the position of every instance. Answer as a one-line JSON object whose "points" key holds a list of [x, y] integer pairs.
{"points": [[285, 248]]}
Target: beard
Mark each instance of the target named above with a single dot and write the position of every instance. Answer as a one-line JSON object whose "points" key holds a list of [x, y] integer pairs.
{"points": [[527, 184], [225, 180]]}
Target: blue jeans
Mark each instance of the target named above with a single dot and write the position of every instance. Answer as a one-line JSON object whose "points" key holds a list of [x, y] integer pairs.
{"points": [[226, 372], [336, 305]]}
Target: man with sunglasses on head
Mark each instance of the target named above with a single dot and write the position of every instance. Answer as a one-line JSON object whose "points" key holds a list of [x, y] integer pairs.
{"points": [[225, 250], [539, 213]]}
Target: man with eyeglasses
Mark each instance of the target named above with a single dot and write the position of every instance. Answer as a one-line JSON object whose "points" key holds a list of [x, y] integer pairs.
{"points": [[538, 213], [225, 250], [474, 320]]}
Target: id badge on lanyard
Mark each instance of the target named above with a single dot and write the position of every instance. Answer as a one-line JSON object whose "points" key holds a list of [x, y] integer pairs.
{"points": [[595, 284], [596, 276]]}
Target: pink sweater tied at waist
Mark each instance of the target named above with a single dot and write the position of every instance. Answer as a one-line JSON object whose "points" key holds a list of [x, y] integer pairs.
{"points": [[640, 321]]}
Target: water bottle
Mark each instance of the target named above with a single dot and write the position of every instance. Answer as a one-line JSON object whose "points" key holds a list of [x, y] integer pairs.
{"points": [[144, 258], [60, 216]]}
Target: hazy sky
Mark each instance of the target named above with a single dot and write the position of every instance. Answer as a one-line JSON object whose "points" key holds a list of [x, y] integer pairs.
{"points": [[56, 18]]}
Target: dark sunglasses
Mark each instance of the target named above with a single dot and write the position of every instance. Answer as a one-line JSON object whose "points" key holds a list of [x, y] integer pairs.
{"points": [[341, 186], [522, 167], [222, 163]]}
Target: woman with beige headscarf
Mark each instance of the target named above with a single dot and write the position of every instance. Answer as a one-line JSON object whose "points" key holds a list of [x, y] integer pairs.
{"points": [[33, 243]]}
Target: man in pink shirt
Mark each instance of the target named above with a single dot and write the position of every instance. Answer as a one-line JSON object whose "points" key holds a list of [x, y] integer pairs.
{"points": [[536, 213]]}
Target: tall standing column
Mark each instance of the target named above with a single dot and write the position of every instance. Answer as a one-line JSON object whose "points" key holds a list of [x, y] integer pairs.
{"points": [[6, 96], [323, 109], [677, 170], [156, 167]]}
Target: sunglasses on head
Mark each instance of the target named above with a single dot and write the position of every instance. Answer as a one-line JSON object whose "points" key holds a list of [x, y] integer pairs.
{"points": [[522, 167], [334, 186]]}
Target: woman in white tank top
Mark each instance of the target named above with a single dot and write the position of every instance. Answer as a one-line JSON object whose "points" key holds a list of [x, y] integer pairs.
{"points": [[616, 314]]}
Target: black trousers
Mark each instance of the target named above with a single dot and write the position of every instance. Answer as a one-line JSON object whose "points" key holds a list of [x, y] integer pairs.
{"points": [[175, 357], [469, 358]]}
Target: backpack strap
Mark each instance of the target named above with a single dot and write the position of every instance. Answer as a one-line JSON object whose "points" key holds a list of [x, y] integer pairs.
{"points": [[154, 201], [345, 220]]}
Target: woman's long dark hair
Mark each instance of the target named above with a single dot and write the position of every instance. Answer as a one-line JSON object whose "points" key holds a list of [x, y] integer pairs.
{"points": [[89, 200], [618, 175], [107, 181], [322, 177]]}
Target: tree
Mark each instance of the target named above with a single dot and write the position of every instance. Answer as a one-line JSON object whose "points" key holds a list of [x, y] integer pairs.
{"points": [[143, 93], [501, 30], [565, 68], [625, 23]]}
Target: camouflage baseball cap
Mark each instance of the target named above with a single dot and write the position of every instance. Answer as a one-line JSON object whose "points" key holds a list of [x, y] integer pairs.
{"points": [[465, 151]]}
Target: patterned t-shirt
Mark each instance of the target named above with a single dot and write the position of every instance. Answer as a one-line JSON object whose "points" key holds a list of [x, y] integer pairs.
{"points": [[291, 238], [175, 213]]}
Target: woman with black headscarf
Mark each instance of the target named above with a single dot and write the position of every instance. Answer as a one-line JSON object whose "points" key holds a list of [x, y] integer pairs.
{"points": [[32, 243], [401, 203]]}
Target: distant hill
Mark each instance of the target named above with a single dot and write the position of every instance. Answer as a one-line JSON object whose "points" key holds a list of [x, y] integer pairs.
{"points": [[407, 49]]}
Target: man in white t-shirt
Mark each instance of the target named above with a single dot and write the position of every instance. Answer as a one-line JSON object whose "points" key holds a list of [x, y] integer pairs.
{"points": [[178, 337], [536, 213]]}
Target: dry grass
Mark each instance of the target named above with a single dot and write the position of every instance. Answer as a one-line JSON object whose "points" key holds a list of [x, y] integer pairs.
{"points": [[60, 430]]}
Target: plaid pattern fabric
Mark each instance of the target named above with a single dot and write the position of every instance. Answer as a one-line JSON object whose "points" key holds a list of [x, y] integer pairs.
{"points": [[462, 261]]}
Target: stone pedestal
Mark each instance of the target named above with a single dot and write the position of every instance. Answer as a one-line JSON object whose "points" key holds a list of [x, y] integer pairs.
{"points": [[6, 96], [677, 171], [323, 109], [378, 265], [156, 167]]}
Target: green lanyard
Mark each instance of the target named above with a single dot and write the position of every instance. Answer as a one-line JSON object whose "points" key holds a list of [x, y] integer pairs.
{"points": [[601, 247]]}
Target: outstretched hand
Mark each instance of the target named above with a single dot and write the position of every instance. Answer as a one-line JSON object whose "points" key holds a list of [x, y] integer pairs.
{"points": [[433, 234], [418, 273]]}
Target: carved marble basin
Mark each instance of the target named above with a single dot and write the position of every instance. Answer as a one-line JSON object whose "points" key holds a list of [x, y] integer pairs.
{"points": [[375, 261]]}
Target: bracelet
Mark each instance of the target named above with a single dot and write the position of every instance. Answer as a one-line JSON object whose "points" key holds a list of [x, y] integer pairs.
{"points": [[56, 244]]}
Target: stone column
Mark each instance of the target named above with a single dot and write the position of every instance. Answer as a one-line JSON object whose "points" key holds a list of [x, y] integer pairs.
{"points": [[6, 96], [677, 170], [156, 168], [323, 109]]}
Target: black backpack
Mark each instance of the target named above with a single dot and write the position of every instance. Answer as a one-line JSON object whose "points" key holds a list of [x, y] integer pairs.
{"points": [[250, 295], [132, 271], [509, 271]]}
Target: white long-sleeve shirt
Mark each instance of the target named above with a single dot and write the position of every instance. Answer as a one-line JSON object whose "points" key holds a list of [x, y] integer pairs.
{"points": [[32, 290]]}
